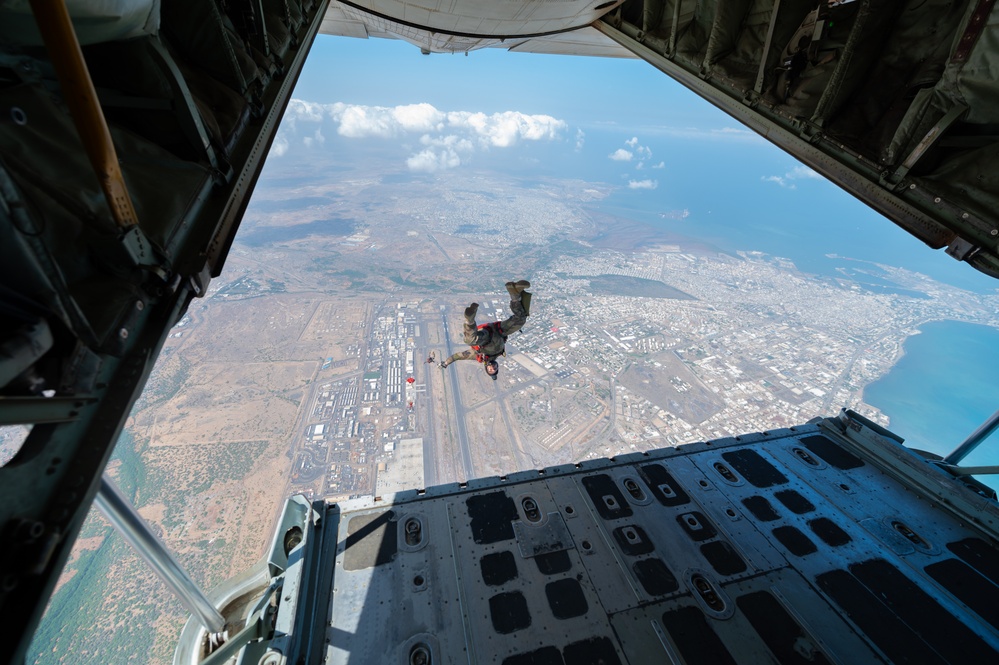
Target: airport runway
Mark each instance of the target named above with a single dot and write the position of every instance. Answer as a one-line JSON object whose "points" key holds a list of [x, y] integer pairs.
{"points": [[459, 408]]}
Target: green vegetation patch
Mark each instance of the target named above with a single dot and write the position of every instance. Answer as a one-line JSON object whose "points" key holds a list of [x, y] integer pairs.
{"points": [[77, 621], [638, 287], [569, 248]]}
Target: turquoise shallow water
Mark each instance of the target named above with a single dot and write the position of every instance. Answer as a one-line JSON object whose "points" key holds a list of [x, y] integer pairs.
{"points": [[945, 386]]}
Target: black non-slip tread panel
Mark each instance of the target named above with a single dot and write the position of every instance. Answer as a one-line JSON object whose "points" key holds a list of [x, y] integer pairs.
{"points": [[794, 502], [761, 508], [566, 598], [979, 555], [602, 488], [723, 558], [544, 656], [948, 636], [498, 568], [968, 586], [509, 612], [794, 540], [594, 651], [492, 517], [750, 465], [780, 632], [832, 453], [655, 577], [553, 563], [696, 641], [882, 626], [656, 477], [829, 532]]}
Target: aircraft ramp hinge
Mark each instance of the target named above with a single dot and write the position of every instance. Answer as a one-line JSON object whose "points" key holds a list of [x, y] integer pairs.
{"points": [[29, 546], [199, 281], [961, 249]]}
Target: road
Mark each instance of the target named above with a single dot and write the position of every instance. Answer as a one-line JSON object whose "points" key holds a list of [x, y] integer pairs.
{"points": [[459, 408], [425, 412]]}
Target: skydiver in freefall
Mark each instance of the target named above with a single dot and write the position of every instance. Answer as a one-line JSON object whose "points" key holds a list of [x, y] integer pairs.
{"points": [[488, 341]]}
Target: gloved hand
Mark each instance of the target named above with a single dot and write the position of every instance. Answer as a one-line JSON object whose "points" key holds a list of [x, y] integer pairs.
{"points": [[442, 365]]}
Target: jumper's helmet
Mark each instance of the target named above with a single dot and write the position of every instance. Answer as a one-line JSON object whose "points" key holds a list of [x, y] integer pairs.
{"points": [[492, 368]]}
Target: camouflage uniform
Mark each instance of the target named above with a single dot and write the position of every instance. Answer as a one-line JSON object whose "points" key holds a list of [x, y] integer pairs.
{"points": [[488, 341]]}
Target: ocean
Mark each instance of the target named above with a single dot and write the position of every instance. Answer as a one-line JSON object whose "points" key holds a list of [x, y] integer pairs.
{"points": [[943, 388], [748, 195]]}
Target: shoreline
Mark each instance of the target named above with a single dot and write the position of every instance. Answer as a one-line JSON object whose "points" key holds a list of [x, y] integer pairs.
{"points": [[902, 353]]}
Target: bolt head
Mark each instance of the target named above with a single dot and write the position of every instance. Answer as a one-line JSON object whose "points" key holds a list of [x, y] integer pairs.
{"points": [[123, 333]]}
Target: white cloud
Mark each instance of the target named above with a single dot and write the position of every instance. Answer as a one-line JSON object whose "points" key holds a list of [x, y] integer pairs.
{"points": [[418, 118], [803, 172], [358, 122], [580, 139], [299, 109], [316, 138], [451, 141], [643, 184], [279, 147], [444, 133], [637, 152], [783, 182], [797, 173], [502, 130], [429, 161], [660, 165], [639, 166]]}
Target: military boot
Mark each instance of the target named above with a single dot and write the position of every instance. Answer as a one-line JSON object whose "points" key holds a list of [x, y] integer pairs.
{"points": [[516, 288], [471, 310], [525, 301]]}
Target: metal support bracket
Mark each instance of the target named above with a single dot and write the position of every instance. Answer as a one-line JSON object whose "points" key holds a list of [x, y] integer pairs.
{"points": [[974, 440], [969, 470], [34, 410], [758, 87], [187, 112], [674, 28], [894, 181]]}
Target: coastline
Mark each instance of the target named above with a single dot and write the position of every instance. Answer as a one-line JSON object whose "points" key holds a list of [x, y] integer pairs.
{"points": [[922, 397], [899, 355]]}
